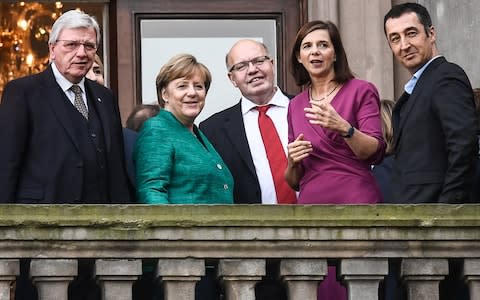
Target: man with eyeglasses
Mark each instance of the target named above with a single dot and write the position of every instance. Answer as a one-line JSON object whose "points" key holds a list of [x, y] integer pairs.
{"points": [[235, 132], [62, 138], [236, 135], [61, 133]]}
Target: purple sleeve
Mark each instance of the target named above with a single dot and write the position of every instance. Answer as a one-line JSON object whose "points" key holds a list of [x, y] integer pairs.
{"points": [[369, 120], [291, 138]]}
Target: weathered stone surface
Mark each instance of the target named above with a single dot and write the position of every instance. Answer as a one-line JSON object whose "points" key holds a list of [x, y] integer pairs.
{"points": [[52, 277], [362, 276], [241, 233], [423, 276]]}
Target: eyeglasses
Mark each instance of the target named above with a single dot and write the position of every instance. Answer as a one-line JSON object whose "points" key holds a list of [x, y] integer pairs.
{"points": [[243, 65], [74, 45]]}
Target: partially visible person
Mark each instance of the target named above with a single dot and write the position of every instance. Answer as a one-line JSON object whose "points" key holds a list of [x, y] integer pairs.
{"points": [[61, 137], [236, 132], [434, 121], [334, 130], [383, 171], [140, 114], [476, 181], [135, 120], [175, 163], [96, 72]]}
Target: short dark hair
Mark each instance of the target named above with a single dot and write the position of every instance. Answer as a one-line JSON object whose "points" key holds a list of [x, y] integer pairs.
{"points": [[398, 10], [140, 114], [342, 70]]}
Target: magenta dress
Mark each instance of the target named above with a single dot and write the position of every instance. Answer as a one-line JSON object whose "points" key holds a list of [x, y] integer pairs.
{"points": [[332, 172]]}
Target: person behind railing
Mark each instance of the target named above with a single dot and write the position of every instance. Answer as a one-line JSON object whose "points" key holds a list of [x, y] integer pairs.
{"points": [[434, 126], [475, 197], [139, 114], [175, 163], [238, 132], [61, 137], [334, 129], [134, 123], [434, 121], [96, 72], [61, 134], [383, 171]]}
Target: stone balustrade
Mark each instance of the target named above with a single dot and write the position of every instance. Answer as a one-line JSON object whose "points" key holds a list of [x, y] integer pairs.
{"points": [[240, 240]]}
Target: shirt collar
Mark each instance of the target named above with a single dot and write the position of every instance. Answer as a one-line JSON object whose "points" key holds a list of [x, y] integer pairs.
{"points": [[63, 82], [278, 99], [410, 85]]}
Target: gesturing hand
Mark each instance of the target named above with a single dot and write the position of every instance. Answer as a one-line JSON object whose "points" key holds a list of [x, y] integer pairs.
{"points": [[324, 114], [298, 150]]}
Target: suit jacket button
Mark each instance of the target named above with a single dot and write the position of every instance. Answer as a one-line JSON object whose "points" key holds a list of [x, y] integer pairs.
{"points": [[219, 166], [225, 186]]}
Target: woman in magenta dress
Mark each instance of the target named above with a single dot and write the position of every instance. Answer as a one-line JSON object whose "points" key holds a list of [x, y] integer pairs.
{"points": [[334, 126]]}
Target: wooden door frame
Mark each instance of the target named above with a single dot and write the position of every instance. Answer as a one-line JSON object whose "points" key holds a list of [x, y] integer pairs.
{"points": [[124, 46]]}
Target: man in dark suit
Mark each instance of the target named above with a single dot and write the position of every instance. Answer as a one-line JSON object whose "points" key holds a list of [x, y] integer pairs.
{"points": [[62, 137], [434, 121], [235, 132], [61, 133], [236, 136], [434, 126]]}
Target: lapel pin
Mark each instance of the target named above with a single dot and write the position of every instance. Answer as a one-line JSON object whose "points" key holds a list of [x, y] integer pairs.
{"points": [[99, 100]]}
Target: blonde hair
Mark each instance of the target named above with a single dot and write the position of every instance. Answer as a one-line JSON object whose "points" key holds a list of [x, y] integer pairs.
{"points": [[181, 65], [386, 109]]}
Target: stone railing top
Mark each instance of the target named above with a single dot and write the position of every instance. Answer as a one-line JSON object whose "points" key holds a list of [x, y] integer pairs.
{"points": [[241, 231], [426, 215]]}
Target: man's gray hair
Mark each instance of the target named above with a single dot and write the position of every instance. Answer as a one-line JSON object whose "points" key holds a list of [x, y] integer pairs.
{"points": [[73, 19]]}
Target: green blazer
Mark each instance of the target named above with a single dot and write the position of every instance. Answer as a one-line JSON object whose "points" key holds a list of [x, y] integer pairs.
{"points": [[174, 166]]}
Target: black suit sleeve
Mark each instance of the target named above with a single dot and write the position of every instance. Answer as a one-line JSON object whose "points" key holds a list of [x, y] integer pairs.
{"points": [[452, 101], [14, 135]]}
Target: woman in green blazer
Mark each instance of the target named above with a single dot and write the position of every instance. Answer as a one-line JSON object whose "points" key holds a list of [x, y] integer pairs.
{"points": [[175, 162]]}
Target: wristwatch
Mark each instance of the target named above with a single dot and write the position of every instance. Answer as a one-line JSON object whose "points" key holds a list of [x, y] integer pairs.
{"points": [[350, 132]]}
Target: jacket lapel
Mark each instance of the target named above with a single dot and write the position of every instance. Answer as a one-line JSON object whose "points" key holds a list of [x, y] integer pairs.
{"points": [[56, 99], [406, 102], [396, 120], [235, 130]]}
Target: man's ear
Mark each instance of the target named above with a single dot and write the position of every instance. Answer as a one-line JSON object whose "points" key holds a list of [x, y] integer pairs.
{"points": [[51, 56], [232, 80], [432, 34]]}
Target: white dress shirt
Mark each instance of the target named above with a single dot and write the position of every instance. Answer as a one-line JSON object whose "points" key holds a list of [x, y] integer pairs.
{"points": [[66, 85], [278, 113]]}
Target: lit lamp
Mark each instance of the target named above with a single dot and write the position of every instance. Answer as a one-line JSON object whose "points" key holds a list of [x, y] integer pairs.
{"points": [[24, 33]]}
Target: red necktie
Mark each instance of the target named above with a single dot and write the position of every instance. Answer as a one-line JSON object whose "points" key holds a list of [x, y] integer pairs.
{"points": [[276, 156]]}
